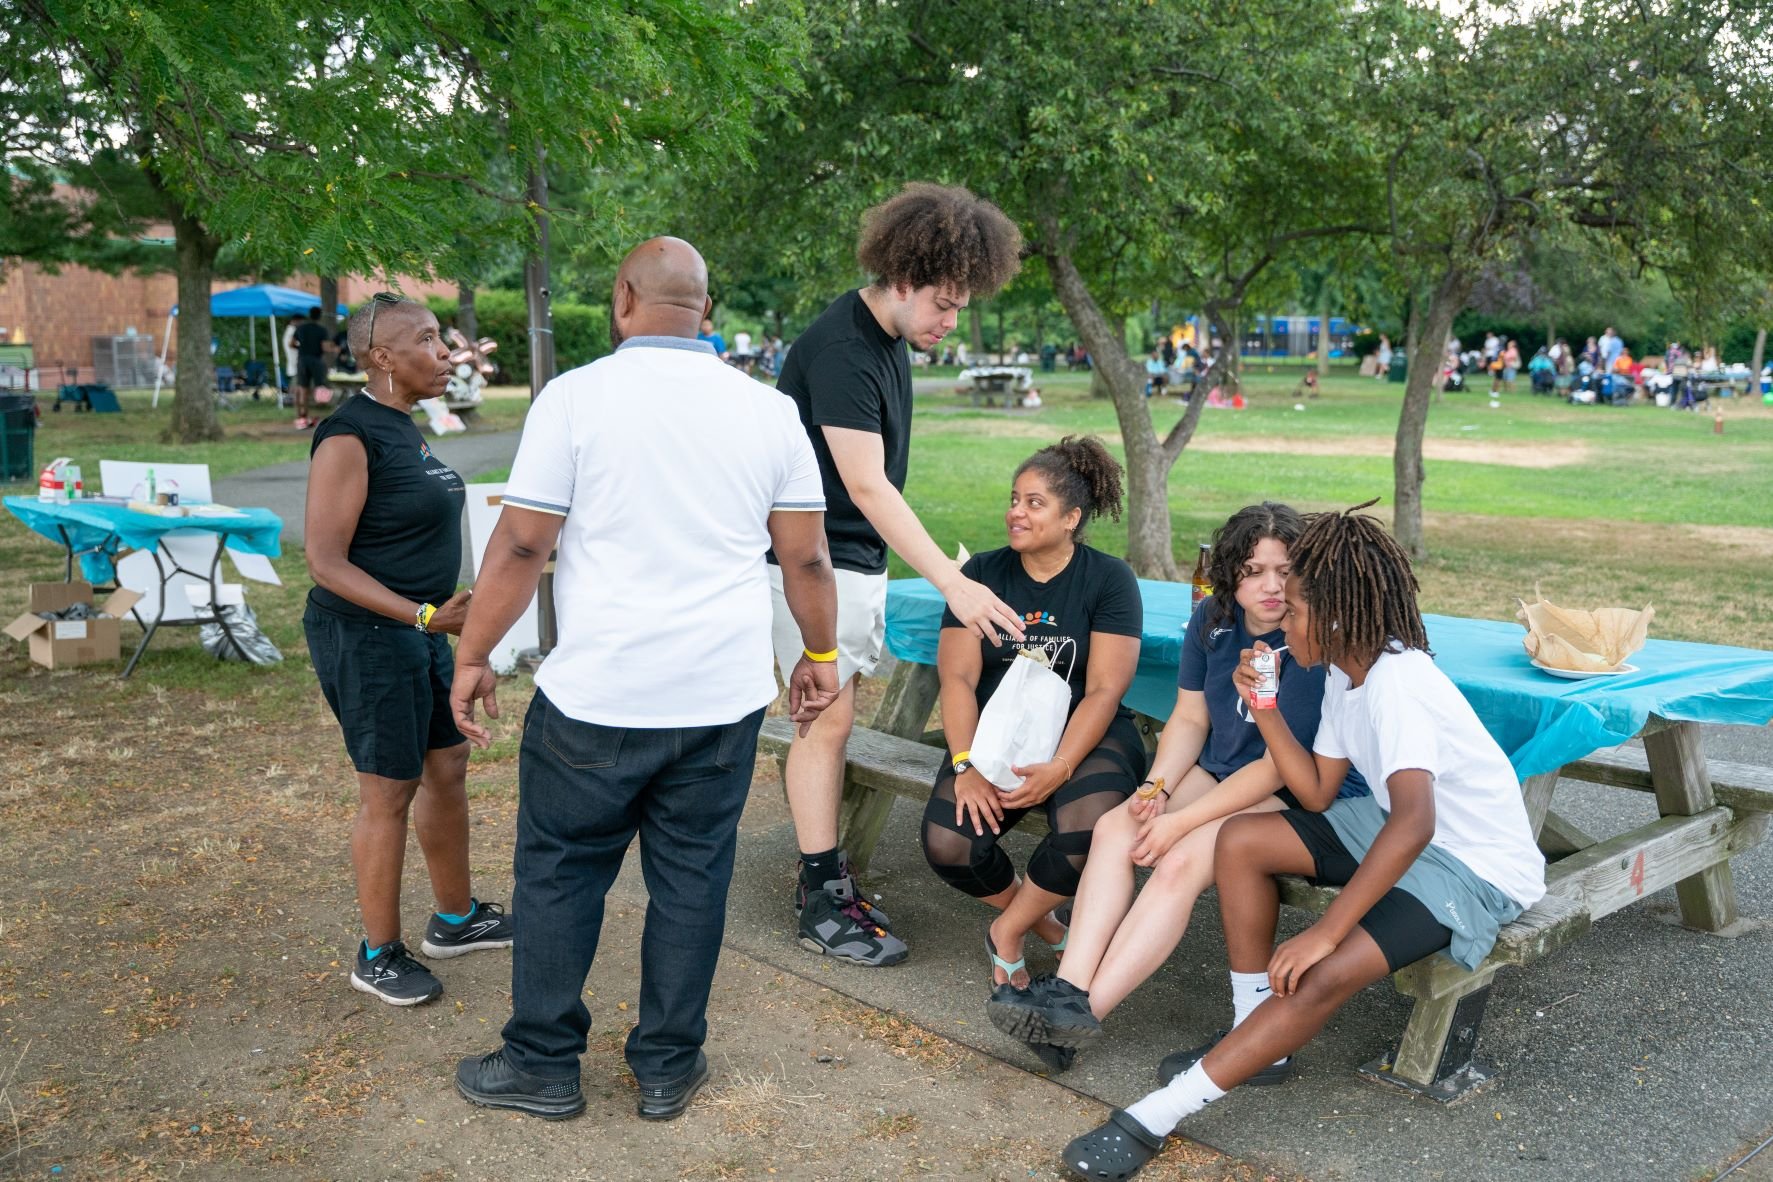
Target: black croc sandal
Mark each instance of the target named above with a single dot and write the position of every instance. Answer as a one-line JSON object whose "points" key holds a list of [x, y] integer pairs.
{"points": [[1057, 1059], [1116, 1151]]}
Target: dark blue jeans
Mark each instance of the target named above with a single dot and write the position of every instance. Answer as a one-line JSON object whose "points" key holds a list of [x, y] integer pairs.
{"points": [[584, 791]]}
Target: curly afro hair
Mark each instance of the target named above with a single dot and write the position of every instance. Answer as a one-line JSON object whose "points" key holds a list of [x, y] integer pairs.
{"points": [[1235, 541], [1082, 475], [939, 236]]}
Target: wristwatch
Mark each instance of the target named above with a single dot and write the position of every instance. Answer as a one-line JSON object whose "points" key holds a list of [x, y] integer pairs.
{"points": [[962, 764]]}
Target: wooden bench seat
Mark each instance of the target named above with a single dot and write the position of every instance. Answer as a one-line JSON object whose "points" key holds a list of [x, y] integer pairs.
{"points": [[1435, 1054]]}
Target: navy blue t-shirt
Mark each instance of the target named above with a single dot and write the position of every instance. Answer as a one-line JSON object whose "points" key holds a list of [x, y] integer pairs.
{"points": [[1211, 649]]}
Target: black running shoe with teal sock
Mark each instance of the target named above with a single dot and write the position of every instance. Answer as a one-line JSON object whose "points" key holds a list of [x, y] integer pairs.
{"points": [[485, 926], [394, 976]]}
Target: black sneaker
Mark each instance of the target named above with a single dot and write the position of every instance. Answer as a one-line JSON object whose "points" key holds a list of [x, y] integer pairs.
{"points": [[860, 908], [1050, 1012], [395, 977], [491, 1082], [1177, 1062], [487, 926], [834, 923]]}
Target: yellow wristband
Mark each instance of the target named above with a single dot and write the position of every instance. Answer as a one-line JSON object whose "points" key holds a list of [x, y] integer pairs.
{"points": [[962, 756], [821, 658], [422, 618]]}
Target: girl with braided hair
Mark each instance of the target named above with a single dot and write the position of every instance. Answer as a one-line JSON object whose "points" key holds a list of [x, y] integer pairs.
{"points": [[1435, 860], [1211, 764], [1081, 606]]}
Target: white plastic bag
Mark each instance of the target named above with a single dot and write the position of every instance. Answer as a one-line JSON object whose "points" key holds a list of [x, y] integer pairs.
{"points": [[1022, 723]]}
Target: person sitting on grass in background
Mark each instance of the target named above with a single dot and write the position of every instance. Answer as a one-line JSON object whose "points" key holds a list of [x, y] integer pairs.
{"points": [[1437, 859], [1081, 607], [1211, 763]]}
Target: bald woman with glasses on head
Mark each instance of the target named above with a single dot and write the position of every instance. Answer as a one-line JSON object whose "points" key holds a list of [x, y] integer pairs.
{"points": [[384, 546]]}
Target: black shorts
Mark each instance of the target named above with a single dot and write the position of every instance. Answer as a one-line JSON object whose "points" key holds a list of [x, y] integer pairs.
{"points": [[310, 371], [1404, 929], [388, 685]]}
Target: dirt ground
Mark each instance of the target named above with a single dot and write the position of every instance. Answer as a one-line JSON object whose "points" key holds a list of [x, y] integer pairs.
{"points": [[175, 924]]}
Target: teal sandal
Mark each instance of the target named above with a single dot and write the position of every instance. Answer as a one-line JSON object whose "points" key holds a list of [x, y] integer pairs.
{"points": [[1010, 968]]}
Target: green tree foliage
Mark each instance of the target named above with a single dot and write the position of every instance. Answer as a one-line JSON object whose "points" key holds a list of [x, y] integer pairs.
{"points": [[1646, 123], [387, 137], [1138, 145]]}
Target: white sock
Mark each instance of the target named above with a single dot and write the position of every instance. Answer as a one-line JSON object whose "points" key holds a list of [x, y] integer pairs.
{"points": [[1248, 990], [1187, 1094]]}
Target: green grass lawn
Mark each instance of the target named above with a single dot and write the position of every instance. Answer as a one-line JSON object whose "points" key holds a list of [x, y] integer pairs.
{"points": [[1595, 505]]}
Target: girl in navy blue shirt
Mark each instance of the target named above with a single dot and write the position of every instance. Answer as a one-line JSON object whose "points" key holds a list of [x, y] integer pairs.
{"points": [[1211, 763]]}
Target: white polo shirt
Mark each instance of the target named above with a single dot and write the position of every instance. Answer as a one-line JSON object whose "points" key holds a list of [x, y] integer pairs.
{"points": [[666, 464]]}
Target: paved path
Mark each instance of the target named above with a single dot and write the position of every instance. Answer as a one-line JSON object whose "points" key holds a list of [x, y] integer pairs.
{"points": [[283, 488]]}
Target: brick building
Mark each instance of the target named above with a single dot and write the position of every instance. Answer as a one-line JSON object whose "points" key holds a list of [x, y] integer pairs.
{"points": [[59, 314]]}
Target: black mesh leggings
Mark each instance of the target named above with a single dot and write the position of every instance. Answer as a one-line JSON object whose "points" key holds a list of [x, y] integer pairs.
{"points": [[973, 863]]}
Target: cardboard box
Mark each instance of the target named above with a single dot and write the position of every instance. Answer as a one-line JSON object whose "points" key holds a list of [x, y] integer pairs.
{"points": [[62, 644]]}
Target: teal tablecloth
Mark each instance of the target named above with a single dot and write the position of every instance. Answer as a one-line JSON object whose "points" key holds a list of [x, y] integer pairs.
{"points": [[1543, 722], [98, 532]]}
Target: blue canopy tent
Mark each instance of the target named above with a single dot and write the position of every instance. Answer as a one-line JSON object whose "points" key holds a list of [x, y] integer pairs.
{"points": [[261, 299]]}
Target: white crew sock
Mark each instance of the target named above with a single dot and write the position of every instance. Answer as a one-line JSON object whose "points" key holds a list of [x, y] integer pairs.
{"points": [[1187, 1094], [1248, 990]]}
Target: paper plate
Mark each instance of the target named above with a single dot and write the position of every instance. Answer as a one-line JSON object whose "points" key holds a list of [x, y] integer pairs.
{"points": [[1585, 674]]}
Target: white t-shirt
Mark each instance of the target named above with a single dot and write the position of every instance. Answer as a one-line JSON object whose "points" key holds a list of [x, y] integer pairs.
{"points": [[1409, 714], [741, 343], [666, 464]]}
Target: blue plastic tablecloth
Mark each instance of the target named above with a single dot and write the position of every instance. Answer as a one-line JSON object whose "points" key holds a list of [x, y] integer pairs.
{"points": [[98, 531], [1543, 722]]}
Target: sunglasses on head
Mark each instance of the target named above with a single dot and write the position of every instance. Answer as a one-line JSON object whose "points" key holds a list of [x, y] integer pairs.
{"points": [[376, 302]]}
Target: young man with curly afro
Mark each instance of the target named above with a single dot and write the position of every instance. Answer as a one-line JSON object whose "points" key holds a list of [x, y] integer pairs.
{"points": [[929, 249]]}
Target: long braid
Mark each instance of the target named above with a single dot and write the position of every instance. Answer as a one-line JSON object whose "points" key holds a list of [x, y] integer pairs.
{"points": [[1359, 586]]}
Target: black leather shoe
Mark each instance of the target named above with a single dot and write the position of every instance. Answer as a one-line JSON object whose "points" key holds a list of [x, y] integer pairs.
{"points": [[493, 1083], [667, 1101]]}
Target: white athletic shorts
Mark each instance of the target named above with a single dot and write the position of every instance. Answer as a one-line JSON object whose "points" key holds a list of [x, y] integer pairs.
{"points": [[861, 624]]}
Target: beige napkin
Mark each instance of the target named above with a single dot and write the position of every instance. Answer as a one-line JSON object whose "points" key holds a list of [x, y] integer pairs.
{"points": [[1586, 642]]}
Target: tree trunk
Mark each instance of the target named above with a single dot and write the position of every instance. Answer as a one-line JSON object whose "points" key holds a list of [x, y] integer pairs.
{"points": [[1424, 363], [193, 406], [976, 334], [1756, 361], [329, 304], [537, 296], [466, 318], [1223, 371], [1323, 329], [1150, 549]]}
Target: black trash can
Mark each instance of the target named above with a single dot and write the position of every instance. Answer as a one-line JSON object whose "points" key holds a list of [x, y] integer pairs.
{"points": [[1399, 365], [18, 436]]}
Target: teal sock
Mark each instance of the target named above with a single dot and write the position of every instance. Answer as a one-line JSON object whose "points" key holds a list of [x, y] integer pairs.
{"points": [[371, 953], [473, 906]]}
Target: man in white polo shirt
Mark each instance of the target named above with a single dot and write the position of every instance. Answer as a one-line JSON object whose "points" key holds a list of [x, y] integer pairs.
{"points": [[662, 476]]}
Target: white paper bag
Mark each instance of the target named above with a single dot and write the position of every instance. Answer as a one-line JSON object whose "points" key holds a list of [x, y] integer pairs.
{"points": [[1022, 723]]}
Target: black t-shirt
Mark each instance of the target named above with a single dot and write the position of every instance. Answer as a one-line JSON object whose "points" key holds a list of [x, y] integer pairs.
{"points": [[848, 371], [1096, 592], [409, 536], [310, 339], [1211, 651]]}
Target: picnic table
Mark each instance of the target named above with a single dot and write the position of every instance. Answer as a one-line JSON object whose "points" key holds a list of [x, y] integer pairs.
{"points": [[989, 381], [1550, 728], [95, 532]]}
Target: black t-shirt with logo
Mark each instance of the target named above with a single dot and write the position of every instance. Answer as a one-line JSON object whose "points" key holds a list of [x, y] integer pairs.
{"points": [[847, 371], [409, 536], [1096, 592], [311, 339]]}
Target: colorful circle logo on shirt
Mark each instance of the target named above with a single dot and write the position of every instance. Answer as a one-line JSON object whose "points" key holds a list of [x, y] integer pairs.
{"points": [[1047, 618]]}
